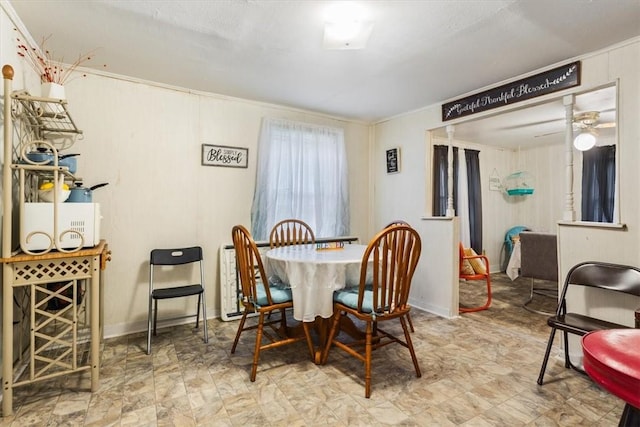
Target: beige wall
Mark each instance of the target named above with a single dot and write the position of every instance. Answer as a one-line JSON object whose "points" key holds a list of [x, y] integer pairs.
{"points": [[145, 140], [577, 242]]}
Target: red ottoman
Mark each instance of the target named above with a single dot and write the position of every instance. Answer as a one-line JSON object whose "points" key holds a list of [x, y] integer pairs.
{"points": [[612, 360]]}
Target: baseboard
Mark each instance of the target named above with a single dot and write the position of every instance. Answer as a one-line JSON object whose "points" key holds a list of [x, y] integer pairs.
{"points": [[122, 329], [433, 309]]}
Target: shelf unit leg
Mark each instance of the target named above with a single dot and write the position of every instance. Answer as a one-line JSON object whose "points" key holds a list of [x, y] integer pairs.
{"points": [[7, 282], [95, 323], [7, 341]]}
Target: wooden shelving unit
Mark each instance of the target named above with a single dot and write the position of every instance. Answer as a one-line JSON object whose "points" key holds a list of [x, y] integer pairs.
{"points": [[66, 338]]}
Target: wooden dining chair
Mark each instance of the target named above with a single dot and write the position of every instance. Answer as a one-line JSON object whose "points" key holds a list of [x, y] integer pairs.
{"points": [[401, 222], [391, 257], [475, 267], [291, 232], [263, 298]]}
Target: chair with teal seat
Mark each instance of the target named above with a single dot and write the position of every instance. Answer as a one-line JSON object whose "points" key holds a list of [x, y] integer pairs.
{"points": [[291, 232], [392, 257], [402, 222], [263, 300]]}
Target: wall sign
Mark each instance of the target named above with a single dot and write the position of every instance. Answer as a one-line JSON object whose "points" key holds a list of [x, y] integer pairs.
{"points": [[221, 155], [495, 183], [544, 83], [393, 160]]}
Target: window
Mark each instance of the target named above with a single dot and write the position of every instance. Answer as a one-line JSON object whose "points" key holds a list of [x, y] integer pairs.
{"points": [[467, 194], [441, 178], [302, 173], [598, 183]]}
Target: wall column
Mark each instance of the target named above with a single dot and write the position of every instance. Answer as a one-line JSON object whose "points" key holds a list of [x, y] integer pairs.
{"points": [[569, 208], [450, 211]]}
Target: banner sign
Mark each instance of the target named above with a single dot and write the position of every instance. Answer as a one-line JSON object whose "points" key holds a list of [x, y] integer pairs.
{"points": [[544, 83]]}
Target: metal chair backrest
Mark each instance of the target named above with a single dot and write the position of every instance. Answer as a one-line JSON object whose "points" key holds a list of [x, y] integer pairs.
{"points": [[476, 261], [601, 275], [249, 264], [176, 256], [291, 232], [393, 254]]}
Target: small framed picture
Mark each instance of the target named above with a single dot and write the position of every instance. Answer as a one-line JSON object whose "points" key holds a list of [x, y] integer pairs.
{"points": [[393, 160], [495, 183], [222, 155]]}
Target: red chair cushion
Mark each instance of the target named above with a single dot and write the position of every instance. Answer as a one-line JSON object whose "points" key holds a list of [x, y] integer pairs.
{"points": [[612, 360]]}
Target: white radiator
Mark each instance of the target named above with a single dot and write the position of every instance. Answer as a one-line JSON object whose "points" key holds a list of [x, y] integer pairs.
{"points": [[230, 289]]}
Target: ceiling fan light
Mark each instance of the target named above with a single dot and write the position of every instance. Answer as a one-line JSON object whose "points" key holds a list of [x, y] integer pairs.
{"points": [[585, 140], [346, 26], [347, 36]]}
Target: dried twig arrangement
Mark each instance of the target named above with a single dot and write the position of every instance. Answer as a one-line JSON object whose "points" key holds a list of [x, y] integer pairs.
{"points": [[43, 62]]}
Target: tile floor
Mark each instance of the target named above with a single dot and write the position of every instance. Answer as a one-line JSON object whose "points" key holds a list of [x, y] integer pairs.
{"points": [[477, 370]]}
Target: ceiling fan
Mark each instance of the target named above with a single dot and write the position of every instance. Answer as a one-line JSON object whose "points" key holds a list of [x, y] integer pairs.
{"points": [[587, 136], [589, 120], [585, 121]]}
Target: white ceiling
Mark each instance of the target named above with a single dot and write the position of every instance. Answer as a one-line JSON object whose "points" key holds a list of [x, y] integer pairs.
{"points": [[419, 52]]}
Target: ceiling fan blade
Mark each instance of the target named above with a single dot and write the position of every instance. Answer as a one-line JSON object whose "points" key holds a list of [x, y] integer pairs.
{"points": [[607, 110], [529, 124], [548, 134], [605, 125]]}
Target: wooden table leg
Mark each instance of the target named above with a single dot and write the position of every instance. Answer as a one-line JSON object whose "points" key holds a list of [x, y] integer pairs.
{"points": [[321, 327], [346, 325]]}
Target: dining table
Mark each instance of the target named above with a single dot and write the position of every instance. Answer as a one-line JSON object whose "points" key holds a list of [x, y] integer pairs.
{"points": [[313, 273], [612, 360]]}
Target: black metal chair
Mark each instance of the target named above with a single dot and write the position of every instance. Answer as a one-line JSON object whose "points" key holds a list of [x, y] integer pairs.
{"points": [[585, 276], [175, 285]]}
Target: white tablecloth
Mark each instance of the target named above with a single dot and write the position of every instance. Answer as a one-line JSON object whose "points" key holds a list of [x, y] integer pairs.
{"points": [[513, 268], [313, 275]]}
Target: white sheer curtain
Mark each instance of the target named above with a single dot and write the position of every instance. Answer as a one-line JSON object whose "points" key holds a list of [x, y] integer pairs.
{"points": [[302, 173], [463, 200]]}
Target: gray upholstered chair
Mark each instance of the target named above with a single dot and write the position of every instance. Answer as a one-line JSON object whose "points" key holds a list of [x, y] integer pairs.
{"points": [[539, 261]]}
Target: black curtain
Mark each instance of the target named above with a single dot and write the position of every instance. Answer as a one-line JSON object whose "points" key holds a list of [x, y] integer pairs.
{"points": [[475, 198], [598, 183], [441, 179]]}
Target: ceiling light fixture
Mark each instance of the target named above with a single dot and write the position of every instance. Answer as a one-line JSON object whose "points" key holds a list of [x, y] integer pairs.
{"points": [[585, 140], [345, 27]]}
